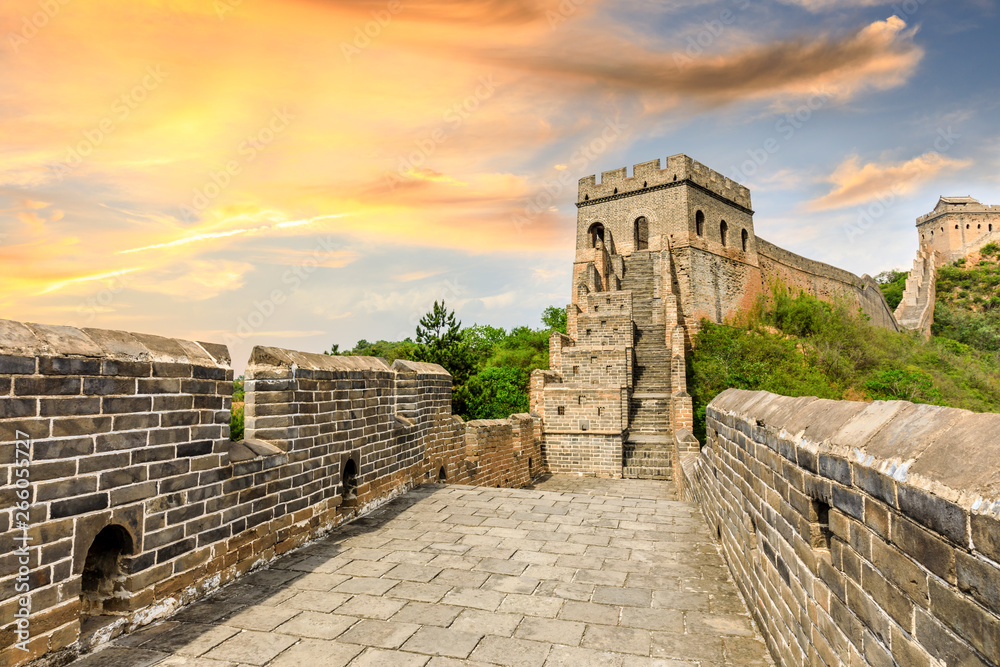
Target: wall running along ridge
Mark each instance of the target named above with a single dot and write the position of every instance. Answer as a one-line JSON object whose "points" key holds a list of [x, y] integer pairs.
{"points": [[127, 435], [858, 533]]}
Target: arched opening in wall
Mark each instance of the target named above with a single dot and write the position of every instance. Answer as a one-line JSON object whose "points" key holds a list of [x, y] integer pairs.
{"points": [[641, 233], [531, 471], [350, 482], [745, 237], [723, 232], [442, 475], [102, 591], [596, 234], [699, 223]]}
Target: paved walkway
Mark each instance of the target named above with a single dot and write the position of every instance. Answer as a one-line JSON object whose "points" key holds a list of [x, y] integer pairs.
{"points": [[573, 572]]}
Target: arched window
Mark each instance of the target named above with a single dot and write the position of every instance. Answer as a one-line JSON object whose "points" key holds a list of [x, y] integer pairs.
{"points": [[104, 574], [699, 223], [641, 233], [596, 234], [723, 231], [746, 240]]}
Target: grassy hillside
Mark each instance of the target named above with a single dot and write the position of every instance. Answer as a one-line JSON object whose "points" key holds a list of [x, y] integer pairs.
{"points": [[968, 300], [801, 346], [967, 308]]}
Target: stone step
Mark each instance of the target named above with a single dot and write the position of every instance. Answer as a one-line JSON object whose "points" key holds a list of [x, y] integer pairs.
{"points": [[647, 473], [637, 439], [649, 461]]}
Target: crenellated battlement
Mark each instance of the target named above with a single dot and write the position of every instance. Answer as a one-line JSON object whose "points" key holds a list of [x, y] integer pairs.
{"points": [[649, 175], [958, 205]]}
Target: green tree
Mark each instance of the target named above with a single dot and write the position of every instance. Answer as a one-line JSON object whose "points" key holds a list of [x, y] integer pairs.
{"points": [[495, 393], [236, 414], [482, 339], [892, 283], [440, 341], [554, 319]]}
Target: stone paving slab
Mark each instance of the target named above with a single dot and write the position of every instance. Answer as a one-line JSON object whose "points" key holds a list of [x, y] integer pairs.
{"points": [[575, 571]]}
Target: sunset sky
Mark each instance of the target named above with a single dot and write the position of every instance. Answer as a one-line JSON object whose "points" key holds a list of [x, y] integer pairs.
{"points": [[309, 172]]}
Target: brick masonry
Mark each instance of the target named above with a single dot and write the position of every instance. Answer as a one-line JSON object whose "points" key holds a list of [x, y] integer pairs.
{"points": [[860, 533], [130, 433]]}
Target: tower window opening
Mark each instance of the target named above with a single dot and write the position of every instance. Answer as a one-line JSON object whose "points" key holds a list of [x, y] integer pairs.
{"points": [[442, 475], [561, 410], [596, 234], [746, 239], [641, 233], [699, 223], [723, 231]]}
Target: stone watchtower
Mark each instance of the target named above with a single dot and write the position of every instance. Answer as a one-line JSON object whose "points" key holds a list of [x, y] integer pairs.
{"points": [[957, 227], [655, 252]]}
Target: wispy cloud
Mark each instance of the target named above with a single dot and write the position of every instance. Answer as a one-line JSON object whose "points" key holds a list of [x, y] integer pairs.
{"points": [[856, 183], [209, 236]]}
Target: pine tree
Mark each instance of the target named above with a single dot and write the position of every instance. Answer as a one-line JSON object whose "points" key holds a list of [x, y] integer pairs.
{"points": [[439, 335]]}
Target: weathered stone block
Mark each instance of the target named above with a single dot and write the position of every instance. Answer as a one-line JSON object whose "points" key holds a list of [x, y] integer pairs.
{"points": [[935, 513]]}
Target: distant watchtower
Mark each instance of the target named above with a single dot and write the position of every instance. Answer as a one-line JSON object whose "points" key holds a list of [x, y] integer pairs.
{"points": [[957, 227]]}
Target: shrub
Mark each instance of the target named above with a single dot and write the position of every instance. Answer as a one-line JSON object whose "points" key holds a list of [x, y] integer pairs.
{"points": [[800, 346], [496, 393], [892, 283]]}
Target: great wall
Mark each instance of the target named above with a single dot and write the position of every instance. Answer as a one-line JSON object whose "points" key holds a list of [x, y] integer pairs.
{"points": [[856, 533]]}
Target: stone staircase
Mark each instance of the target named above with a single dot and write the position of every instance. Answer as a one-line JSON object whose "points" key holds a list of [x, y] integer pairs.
{"points": [[646, 453], [916, 310]]}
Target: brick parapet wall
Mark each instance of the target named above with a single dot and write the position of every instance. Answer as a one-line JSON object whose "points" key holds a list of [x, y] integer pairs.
{"points": [[824, 281], [862, 534], [112, 428], [131, 431]]}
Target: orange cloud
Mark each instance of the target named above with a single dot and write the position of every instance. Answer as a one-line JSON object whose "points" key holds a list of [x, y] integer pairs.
{"points": [[857, 184]]}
